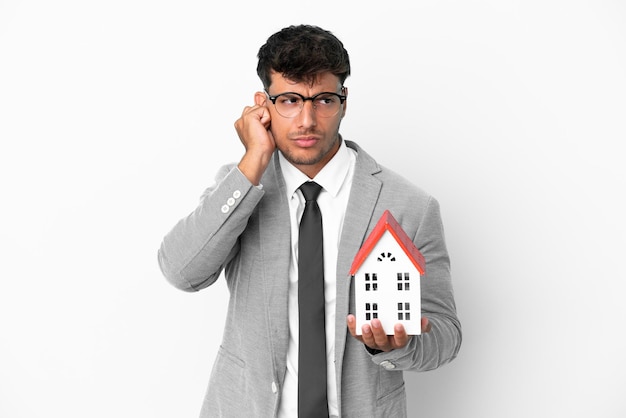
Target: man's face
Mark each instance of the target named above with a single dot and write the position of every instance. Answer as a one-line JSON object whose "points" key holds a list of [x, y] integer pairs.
{"points": [[307, 140]]}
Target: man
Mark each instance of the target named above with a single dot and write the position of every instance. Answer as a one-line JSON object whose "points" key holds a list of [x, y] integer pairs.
{"points": [[247, 225]]}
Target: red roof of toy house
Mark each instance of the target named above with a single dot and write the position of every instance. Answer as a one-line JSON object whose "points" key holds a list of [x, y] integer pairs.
{"points": [[388, 223]]}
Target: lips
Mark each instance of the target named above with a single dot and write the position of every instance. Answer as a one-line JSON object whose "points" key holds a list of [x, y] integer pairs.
{"points": [[306, 142]]}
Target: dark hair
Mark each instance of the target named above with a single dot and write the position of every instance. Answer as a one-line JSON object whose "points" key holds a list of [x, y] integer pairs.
{"points": [[300, 53]]}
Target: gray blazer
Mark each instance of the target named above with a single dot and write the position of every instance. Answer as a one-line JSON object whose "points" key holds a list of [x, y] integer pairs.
{"points": [[245, 231]]}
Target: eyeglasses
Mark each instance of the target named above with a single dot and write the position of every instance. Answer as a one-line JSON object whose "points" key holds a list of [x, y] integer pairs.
{"points": [[325, 104]]}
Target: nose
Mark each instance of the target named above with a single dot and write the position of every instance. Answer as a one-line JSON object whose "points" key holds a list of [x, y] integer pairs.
{"points": [[307, 116]]}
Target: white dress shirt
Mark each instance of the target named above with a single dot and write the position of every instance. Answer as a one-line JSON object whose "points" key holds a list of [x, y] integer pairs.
{"points": [[336, 181]]}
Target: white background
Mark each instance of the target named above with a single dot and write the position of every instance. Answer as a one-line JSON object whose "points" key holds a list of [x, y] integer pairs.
{"points": [[114, 117]]}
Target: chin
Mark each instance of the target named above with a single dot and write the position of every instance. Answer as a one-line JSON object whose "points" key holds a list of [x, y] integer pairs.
{"points": [[303, 159]]}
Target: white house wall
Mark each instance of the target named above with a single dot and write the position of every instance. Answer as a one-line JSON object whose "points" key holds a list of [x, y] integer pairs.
{"points": [[384, 300]]}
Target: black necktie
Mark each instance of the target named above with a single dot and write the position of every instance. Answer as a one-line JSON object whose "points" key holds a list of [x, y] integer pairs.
{"points": [[312, 400]]}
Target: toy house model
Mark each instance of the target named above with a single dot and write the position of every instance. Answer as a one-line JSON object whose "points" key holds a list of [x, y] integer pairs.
{"points": [[386, 273]]}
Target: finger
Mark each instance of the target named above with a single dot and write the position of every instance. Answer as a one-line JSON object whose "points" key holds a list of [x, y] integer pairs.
{"points": [[265, 117], [400, 337], [380, 336], [256, 111], [255, 114], [246, 110], [352, 326], [426, 326], [368, 336]]}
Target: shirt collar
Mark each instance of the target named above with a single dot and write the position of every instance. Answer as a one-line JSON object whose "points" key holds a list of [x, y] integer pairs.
{"points": [[331, 177]]}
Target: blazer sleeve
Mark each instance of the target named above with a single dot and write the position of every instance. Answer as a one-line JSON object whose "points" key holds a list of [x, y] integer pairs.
{"points": [[194, 252], [441, 345]]}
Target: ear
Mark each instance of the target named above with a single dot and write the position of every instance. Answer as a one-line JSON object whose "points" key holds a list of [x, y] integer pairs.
{"points": [[260, 98]]}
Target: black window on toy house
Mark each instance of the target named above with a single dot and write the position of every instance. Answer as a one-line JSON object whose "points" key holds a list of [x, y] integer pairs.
{"points": [[371, 282], [403, 281]]}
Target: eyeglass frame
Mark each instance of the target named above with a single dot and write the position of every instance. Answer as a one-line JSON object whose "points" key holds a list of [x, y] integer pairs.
{"points": [[342, 99]]}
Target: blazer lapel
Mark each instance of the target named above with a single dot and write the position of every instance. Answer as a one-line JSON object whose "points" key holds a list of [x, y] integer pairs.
{"points": [[357, 222]]}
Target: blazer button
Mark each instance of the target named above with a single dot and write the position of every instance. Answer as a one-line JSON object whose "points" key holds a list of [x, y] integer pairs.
{"points": [[388, 365], [225, 208], [236, 194], [274, 387], [230, 201]]}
